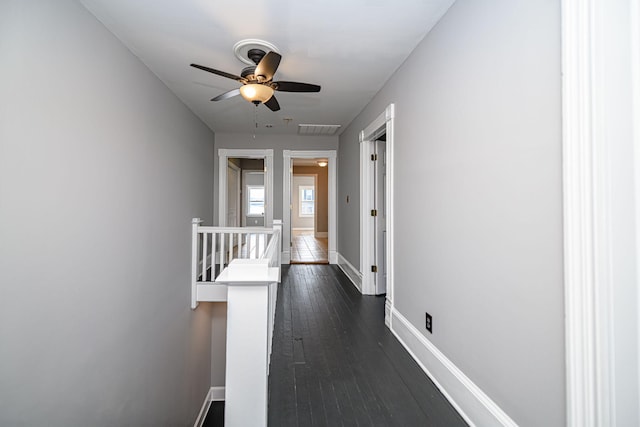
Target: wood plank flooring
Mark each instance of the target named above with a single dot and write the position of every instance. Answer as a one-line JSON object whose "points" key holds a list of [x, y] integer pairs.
{"points": [[308, 249], [334, 363]]}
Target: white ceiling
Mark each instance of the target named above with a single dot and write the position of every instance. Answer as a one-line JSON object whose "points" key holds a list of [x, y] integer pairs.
{"points": [[349, 47]]}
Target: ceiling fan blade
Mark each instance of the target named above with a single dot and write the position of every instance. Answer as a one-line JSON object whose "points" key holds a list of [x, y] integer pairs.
{"points": [[295, 87], [272, 103], [227, 95], [220, 73], [268, 65]]}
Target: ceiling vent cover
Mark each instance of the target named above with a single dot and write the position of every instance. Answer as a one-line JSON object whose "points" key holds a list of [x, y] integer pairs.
{"points": [[318, 129]]}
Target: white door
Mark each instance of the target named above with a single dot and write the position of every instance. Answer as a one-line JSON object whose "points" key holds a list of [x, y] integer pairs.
{"points": [[233, 196], [380, 220]]}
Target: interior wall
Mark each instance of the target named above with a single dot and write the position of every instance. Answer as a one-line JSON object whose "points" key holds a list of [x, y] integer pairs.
{"points": [[277, 142], [101, 171], [322, 194], [478, 158]]}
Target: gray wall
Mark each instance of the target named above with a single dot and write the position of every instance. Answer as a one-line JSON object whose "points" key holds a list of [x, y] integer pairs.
{"points": [[478, 157], [278, 143], [101, 171]]}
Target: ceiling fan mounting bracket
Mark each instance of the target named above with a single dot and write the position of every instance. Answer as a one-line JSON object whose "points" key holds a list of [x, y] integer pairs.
{"points": [[256, 55]]}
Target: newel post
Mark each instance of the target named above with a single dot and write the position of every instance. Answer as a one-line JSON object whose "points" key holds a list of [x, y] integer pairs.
{"points": [[247, 372], [195, 223]]}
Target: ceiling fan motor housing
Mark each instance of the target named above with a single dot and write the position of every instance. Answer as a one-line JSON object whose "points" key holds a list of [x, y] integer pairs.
{"points": [[249, 73]]}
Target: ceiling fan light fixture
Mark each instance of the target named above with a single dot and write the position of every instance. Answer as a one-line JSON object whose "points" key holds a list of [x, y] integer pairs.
{"points": [[256, 93]]}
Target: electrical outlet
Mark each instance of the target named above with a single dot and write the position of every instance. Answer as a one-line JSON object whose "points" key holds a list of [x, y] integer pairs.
{"points": [[428, 323]]}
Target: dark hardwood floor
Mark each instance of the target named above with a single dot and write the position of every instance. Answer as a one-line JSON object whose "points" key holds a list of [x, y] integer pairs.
{"points": [[215, 416], [334, 363]]}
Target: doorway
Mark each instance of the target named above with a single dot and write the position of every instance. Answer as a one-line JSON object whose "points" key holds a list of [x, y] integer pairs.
{"points": [[309, 207], [309, 212], [249, 202], [376, 208]]}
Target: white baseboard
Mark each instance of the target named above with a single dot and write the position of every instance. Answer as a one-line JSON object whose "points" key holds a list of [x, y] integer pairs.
{"points": [[217, 394], [214, 394], [472, 403], [302, 228], [321, 234], [350, 271], [286, 257]]}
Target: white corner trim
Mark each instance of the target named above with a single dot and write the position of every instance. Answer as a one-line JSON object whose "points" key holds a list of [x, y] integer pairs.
{"points": [[214, 394], [470, 401], [350, 271], [587, 208], [286, 257]]}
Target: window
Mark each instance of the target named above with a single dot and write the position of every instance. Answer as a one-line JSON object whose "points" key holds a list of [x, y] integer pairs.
{"points": [[255, 200], [307, 201]]}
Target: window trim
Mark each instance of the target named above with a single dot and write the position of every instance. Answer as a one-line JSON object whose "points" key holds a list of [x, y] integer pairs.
{"points": [[301, 189], [248, 200]]}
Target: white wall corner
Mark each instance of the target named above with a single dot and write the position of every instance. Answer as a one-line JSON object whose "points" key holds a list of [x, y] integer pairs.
{"points": [[468, 399], [350, 271]]}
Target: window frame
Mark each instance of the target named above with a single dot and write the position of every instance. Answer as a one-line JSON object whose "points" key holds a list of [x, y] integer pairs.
{"points": [[301, 189], [248, 201]]}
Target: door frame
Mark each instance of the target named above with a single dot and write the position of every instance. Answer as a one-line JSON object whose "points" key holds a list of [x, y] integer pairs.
{"points": [[238, 191], [287, 170], [384, 123], [600, 42], [223, 160]]}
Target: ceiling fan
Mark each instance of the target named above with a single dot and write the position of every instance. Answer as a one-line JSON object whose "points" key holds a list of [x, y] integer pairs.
{"points": [[257, 81]]}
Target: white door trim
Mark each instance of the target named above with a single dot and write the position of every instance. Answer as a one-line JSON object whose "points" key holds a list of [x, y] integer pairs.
{"points": [[590, 116], [223, 157], [238, 172], [384, 123], [287, 170]]}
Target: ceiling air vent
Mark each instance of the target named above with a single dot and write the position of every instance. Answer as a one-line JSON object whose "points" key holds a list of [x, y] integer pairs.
{"points": [[318, 129]]}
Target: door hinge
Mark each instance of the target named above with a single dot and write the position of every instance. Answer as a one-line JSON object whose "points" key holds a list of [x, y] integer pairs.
{"points": [[374, 268], [290, 244], [374, 157], [374, 212]]}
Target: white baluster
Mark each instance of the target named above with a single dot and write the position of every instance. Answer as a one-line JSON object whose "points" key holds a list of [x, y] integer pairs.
{"points": [[222, 251], [205, 248]]}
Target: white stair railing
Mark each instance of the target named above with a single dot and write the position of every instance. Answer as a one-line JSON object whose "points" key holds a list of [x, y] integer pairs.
{"points": [[250, 272], [213, 248]]}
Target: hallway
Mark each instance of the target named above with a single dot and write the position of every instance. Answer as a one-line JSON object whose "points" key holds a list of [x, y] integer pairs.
{"points": [[334, 363]]}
